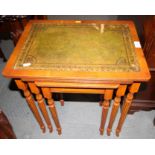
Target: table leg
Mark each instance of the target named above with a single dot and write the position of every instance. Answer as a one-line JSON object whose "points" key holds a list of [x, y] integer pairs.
{"points": [[47, 94], [34, 89], [21, 85], [61, 99], [132, 89], [120, 92], [101, 100], [105, 107]]}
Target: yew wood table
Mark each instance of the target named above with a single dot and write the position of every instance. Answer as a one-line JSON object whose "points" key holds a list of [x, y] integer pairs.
{"points": [[96, 57]]}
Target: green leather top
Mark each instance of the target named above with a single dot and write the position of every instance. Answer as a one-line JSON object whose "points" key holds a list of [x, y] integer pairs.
{"points": [[78, 47]]}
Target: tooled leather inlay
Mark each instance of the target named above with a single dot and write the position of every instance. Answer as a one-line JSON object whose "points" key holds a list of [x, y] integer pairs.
{"points": [[78, 47]]}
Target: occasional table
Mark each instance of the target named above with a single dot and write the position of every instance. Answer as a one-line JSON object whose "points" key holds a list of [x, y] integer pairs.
{"points": [[95, 57]]}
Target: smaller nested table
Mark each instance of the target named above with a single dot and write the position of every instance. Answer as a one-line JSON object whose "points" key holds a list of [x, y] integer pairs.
{"points": [[96, 57]]}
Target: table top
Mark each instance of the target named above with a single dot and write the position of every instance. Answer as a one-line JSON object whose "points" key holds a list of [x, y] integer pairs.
{"points": [[78, 50]]}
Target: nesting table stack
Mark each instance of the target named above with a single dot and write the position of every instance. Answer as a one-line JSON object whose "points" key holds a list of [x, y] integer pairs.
{"points": [[94, 57]]}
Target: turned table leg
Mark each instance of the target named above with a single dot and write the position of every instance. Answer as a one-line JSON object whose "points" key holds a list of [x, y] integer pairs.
{"points": [[47, 94], [120, 92], [105, 107], [21, 85], [132, 89], [34, 89]]}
